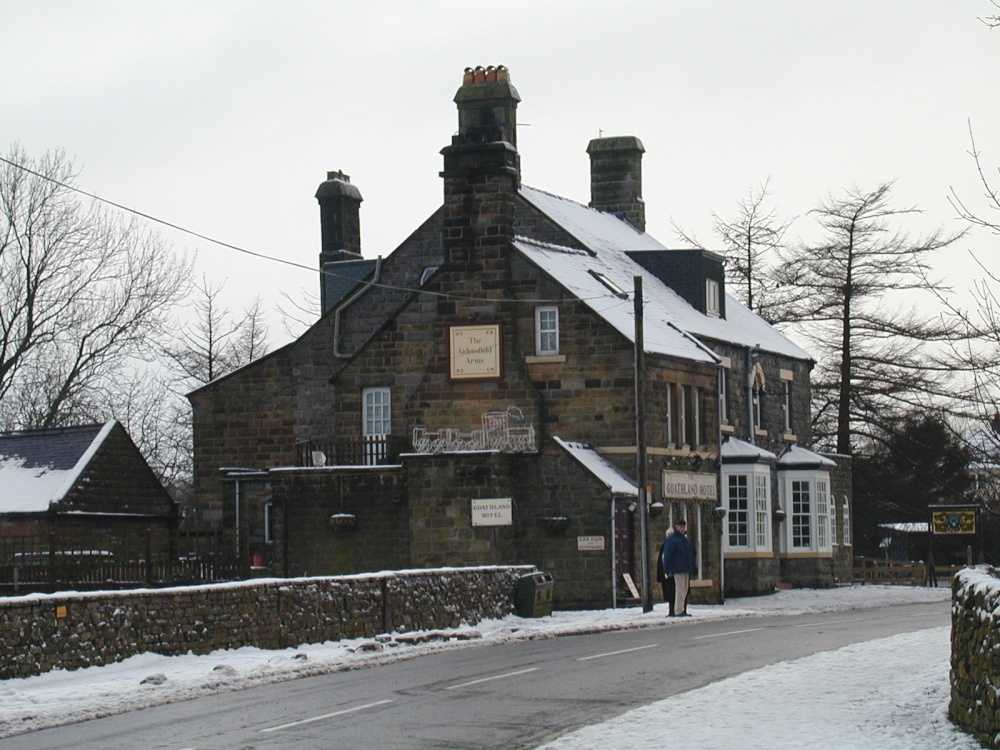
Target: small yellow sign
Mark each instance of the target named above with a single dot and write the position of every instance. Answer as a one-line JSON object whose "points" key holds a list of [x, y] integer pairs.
{"points": [[953, 521], [61, 612]]}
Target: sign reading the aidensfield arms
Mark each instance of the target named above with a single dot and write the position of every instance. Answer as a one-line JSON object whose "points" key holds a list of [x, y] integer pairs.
{"points": [[689, 485], [493, 511], [474, 352]]}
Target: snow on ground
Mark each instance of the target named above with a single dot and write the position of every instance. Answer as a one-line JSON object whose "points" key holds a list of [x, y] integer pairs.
{"points": [[904, 707]]}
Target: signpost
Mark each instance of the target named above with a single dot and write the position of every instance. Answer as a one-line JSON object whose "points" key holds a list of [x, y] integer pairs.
{"points": [[951, 521]]}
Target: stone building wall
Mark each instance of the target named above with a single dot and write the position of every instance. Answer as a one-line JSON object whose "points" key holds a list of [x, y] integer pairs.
{"points": [[71, 631], [738, 412], [975, 654], [841, 479], [339, 520], [246, 420]]}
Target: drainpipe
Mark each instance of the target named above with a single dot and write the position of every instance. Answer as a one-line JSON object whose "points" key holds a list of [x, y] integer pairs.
{"points": [[350, 300], [614, 554]]}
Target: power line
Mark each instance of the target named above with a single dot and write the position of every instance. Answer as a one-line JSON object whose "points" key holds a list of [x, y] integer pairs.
{"points": [[263, 256]]}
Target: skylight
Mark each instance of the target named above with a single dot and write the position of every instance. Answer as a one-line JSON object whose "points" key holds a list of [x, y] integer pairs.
{"points": [[612, 286]]}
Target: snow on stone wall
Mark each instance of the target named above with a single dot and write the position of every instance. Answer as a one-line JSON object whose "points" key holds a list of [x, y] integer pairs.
{"points": [[975, 654], [42, 632]]}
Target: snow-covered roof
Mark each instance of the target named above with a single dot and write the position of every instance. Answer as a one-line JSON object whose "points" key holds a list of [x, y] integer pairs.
{"points": [[605, 471], [38, 467], [735, 450], [797, 457], [910, 527], [669, 319]]}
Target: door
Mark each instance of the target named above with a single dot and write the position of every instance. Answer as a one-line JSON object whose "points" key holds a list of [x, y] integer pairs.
{"points": [[624, 545]]}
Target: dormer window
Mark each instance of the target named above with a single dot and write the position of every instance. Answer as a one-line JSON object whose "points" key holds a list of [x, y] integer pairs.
{"points": [[713, 307]]}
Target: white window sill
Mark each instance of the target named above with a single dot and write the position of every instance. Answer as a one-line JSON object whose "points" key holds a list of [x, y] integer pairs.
{"points": [[545, 359]]}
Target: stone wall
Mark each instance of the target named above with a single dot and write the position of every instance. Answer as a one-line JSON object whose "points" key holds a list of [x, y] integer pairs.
{"points": [[75, 630], [975, 654]]}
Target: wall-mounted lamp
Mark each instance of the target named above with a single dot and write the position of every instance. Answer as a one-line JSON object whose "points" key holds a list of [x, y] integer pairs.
{"points": [[556, 524], [779, 513], [343, 522], [318, 458]]}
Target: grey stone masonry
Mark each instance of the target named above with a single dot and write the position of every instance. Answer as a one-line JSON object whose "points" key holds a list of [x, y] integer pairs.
{"points": [[975, 654], [75, 630], [616, 178]]}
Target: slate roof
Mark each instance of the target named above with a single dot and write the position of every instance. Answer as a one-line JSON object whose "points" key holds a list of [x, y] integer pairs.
{"points": [[38, 467], [340, 279], [671, 326]]}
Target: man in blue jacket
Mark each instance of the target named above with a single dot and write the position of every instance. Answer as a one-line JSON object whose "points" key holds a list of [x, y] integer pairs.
{"points": [[679, 562]]}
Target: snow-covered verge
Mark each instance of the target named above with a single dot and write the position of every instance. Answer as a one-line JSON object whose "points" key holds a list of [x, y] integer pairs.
{"points": [[61, 697], [975, 654]]}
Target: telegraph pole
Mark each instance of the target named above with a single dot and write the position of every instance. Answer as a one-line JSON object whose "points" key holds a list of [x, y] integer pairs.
{"points": [[640, 447]]}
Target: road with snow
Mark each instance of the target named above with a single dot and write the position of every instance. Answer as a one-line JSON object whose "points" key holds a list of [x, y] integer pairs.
{"points": [[511, 695]]}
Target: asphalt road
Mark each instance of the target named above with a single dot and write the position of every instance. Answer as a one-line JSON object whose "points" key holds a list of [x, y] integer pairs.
{"points": [[510, 696]]}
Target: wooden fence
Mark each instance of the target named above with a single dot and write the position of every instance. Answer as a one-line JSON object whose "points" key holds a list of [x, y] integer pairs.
{"points": [[898, 572], [45, 564]]}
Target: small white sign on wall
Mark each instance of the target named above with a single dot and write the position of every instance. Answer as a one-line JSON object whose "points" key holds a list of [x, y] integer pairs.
{"points": [[590, 543], [493, 511]]}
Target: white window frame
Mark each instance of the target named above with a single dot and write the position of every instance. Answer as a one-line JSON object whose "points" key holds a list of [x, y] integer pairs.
{"points": [[724, 395], [786, 405], [757, 385], [695, 417], [846, 521], [762, 510], [807, 529], [670, 415], [546, 337], [755, 396], [682, 417], [738, 507], [823, 535], [757, 481], [713, 307], [376, 422]]}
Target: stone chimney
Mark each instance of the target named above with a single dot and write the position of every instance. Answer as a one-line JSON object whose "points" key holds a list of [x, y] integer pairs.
{"points": [[481, 177], [487, 107], [616, 178], [339, 219]]}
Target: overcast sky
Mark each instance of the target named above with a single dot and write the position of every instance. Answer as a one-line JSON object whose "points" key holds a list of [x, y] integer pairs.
{"points": [[223, 117]]}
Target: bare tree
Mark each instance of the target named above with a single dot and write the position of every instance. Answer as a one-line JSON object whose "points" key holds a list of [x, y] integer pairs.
{"points": [[84, 295], [992, 21], [875, 360], [299, 313], [750, 240], [215, 344]]}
